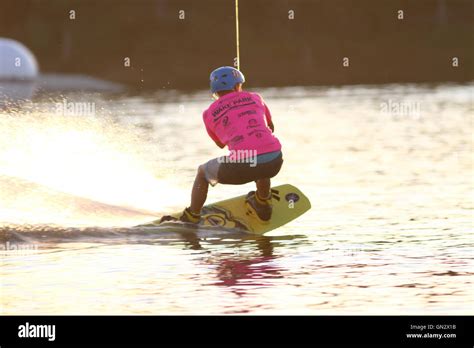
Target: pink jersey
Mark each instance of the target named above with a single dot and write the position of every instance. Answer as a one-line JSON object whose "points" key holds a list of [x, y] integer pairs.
{"points": [[240, 120]]}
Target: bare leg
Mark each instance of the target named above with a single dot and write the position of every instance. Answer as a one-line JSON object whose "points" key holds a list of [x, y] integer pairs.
{"points": [[263, 188], [199, 193]]}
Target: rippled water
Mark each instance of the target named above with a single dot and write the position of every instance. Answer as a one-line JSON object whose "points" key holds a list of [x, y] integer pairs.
{"points": [[388, 170]]}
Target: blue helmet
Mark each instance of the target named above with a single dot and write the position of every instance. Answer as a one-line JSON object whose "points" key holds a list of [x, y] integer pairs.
{"points": [[225, 78]]}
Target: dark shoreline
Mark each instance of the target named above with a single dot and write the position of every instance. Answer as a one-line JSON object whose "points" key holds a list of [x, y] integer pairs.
{"points": [[171, 53]]}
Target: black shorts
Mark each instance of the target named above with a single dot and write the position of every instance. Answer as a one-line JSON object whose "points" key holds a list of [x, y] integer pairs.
{"points": [[221, 170]]}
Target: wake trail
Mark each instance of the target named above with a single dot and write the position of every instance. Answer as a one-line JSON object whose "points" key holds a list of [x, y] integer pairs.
{"points": [[80, 171], [25, 202]]}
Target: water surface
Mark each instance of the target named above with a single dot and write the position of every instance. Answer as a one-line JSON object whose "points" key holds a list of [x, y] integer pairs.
{"points": [[388, 170]]}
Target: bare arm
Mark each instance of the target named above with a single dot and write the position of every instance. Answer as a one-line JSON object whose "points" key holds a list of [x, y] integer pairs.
{"points": [[218, 143], [268, 117], [271, 126], [213, 136]]}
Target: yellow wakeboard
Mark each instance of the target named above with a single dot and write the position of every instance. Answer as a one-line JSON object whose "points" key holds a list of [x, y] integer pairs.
{"points": [[288, 203]]}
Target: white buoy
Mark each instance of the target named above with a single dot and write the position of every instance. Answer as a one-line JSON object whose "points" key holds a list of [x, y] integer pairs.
{"points": [[18, 73], [17, 62]]}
